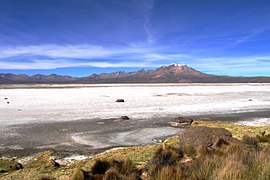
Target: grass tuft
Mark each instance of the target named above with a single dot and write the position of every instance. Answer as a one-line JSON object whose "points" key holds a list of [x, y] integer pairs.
{"points": [[46, 177], [100, 167], [250, 141]]}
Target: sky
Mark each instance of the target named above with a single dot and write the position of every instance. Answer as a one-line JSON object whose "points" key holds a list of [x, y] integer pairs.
{"points": [[82, 37]]}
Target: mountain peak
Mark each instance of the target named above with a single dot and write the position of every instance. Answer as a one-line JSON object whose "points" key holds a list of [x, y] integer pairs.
{"points": [[177, 70], [174, 65], [179, 67], [172, 73]]}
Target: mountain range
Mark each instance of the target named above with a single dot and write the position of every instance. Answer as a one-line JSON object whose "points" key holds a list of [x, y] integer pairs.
{"points": [[174, 73]]}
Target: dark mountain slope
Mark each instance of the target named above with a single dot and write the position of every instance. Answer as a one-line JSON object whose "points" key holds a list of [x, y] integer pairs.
{"points": [[174, 73]]}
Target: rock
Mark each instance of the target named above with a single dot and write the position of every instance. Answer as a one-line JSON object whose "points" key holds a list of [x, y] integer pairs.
{"points": [[9, 165], [7, 102], [184, 120], [121, 118], [44, 160], [100, 123], [206, 136], [180, 121], [5, 98], [120, 100], [219, 143], [250, 100], [175, 124], [52, 162], [124, 118], [64, 129]]}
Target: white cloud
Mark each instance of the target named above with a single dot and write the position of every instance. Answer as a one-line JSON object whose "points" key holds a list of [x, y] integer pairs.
{"points": [[71, 51], [56, 56], [49, 64]]}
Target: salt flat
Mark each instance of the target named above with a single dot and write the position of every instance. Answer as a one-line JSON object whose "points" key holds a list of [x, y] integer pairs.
{"points": [[78, 117], [141, 101]]}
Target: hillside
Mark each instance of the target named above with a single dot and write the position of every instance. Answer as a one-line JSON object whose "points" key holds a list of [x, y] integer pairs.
{"points": [[173, 73]]}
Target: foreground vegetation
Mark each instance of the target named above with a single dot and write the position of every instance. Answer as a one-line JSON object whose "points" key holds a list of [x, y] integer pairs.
{"points": [[238, 131], [169, 160]]}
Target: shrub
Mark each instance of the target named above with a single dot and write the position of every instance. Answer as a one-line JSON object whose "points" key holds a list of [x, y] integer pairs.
{"points": [[100, 167], [263, 137], [234, 148], [169, 173], [231, 168], [79, 174], [46, 177], [189, 150], [250, 141], [165, 156], [113, 169], [125, 167], [202, 150], [220, 142], [112, 174], [203, 167]]}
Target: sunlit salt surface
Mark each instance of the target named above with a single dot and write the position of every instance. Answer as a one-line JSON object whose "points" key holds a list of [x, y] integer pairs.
{"points": [[142, 101], [255, 122]]}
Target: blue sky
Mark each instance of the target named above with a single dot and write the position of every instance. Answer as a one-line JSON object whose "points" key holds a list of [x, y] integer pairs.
{"points": [[81, 37]]}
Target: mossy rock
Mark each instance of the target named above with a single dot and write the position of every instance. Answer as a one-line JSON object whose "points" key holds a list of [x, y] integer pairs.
{"points": [[8, 165], [43, 162], [202, 135]]}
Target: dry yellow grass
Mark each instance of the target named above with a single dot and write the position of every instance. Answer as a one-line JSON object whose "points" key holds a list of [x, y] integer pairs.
{"points": [[136, 154]]}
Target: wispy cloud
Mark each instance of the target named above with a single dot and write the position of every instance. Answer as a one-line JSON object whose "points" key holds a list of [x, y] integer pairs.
{"points": [[147, 6], [69, 51], [251, 35], [90, 52], [49, 64], [247, 65], [56, 56]]}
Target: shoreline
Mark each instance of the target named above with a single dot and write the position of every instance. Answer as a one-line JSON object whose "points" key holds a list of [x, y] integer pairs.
{"points": [[59, 86], [50, 164], [35, 137]]}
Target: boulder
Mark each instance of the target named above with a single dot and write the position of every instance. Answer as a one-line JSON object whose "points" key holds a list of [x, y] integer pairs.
{"points": [[180, 121], [120, 100], [9, 165], [219, 143], [184, 120], [43, 160], [209, 137], [174, 124], [124, 118]]}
